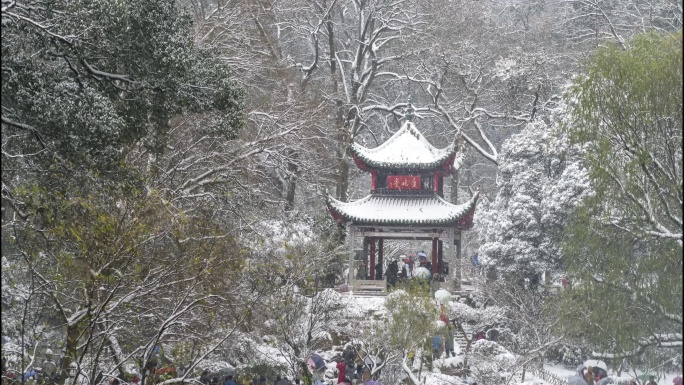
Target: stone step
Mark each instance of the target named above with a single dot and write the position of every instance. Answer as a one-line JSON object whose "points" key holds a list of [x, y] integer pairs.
{"points": [[369, 294]]}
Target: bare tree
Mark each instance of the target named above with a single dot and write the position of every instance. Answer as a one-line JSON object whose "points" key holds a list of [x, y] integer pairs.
{"points": [[597, 22]]}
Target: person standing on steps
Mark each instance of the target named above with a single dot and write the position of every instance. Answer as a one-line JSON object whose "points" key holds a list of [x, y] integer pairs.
{"points": [[392, 270], [349, 354], [434, 285], [436, 347], [363, 271], [341, 369], [449, 342], [400, 266]]}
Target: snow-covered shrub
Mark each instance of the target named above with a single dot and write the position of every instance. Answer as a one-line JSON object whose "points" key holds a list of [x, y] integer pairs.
{"points": [[478, 318], [491, 363], [568, 355]]}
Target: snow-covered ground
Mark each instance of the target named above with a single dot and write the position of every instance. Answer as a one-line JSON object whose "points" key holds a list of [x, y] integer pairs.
{"points": [[357, 306]]}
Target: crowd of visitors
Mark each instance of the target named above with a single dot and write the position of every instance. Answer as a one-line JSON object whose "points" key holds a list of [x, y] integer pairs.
{"points": [[594, 375], [397, 269], [207, 378], [405, 267], [354, 368]]}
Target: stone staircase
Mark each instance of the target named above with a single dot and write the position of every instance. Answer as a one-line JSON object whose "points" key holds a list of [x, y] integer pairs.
{"points": [[369, 288], [460, 342], [368, 295]]}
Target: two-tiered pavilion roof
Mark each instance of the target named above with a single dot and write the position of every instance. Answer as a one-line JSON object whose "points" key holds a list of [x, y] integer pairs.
{"points": [[406, 152]]}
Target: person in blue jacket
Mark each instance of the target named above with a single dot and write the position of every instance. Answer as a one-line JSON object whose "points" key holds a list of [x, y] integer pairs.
{"points": [[229, 380], [436, 347]]}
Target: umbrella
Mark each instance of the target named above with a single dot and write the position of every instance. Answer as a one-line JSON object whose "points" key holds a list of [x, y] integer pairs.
{"points": [[598, 363], [225, 372], [645, 376], [372, 382], [372, 360], [677, 380], [30, 373], [315, 362], [576, 380], [421, 254], [422, 272], [443, 296], [602, 372]]}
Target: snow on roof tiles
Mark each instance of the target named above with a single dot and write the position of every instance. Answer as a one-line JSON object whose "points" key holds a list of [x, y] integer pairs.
{"points": [[407, 148], [404, 210]]}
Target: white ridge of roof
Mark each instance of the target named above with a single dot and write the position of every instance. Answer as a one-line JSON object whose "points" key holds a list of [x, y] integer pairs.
{"points": [[427, 209], [406, 146]]}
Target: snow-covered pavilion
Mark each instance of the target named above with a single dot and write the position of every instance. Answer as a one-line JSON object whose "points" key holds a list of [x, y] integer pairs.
{"points": [[406, 200]]}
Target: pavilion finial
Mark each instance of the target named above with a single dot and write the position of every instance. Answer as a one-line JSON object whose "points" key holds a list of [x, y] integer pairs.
{"points": [[409, 110]]}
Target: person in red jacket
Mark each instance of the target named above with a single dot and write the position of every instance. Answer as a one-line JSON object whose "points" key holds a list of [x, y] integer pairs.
{"points": [[341, 366]]}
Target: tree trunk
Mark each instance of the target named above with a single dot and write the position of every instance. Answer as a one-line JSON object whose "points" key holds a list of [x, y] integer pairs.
{"points": [[293, 173], [112, 350], [343, 170], [329, 26], [72, 334], [454, 186]]}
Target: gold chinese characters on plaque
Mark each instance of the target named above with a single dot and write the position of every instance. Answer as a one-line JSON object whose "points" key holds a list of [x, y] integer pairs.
{"points": [[403, 182]]}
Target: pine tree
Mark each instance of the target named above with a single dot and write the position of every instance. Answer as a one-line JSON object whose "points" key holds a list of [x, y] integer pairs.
{"points": [[540, 179]]}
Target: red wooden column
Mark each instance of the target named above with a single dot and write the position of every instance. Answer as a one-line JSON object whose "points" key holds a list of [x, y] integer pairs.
{"points": [[381, 252], [434, 255], [371, 269], [440, 256]]}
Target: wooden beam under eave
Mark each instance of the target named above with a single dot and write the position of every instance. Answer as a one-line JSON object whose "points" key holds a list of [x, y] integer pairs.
{"points": [[401, 235]]}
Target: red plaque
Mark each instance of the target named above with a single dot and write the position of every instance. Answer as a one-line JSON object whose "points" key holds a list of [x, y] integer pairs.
{"points": [[403, 182]]}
